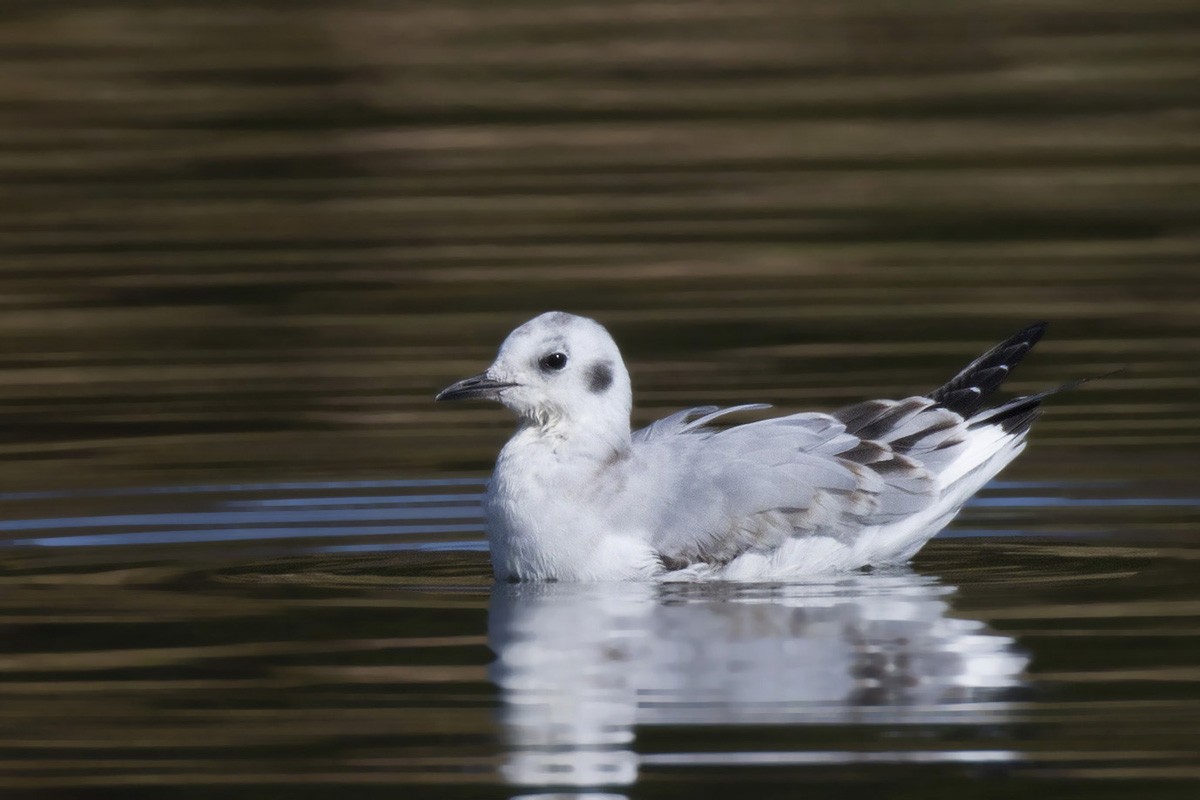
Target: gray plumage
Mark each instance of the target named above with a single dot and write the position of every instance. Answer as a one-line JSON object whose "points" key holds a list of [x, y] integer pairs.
{"points": [[578, 496]]}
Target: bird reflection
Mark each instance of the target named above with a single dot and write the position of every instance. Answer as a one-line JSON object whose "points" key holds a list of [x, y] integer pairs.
{"points": [[581, 666]]}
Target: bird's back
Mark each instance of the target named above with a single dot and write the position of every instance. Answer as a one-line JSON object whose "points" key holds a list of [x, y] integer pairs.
{"points": [[866, 484]]}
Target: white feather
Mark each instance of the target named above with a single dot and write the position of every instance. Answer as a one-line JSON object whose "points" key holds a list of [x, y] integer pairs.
{"points": [[577, 496]]}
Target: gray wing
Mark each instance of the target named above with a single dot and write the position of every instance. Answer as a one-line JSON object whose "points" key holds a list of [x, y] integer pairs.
{"points": [[690, 420], [754, 485]]}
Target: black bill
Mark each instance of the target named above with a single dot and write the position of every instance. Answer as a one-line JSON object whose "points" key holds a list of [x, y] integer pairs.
{"points": [[478, 387]]}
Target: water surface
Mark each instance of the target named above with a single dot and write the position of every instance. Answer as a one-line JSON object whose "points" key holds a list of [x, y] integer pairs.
{"points": [[243, 244], [285, 637]]}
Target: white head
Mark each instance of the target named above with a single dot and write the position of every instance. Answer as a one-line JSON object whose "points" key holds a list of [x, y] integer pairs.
{"points": [[560, 372]]}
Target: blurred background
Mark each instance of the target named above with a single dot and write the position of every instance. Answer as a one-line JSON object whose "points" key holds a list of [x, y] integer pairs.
{"points": [[249, 241], [243, 244]]}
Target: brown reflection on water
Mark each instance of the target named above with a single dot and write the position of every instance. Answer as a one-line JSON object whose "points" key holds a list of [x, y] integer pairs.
{"points": [[248, 240], [165, 676], [375, 671]]}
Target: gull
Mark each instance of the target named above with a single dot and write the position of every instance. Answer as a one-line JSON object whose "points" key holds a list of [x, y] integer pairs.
{"points": [[578, 496]]}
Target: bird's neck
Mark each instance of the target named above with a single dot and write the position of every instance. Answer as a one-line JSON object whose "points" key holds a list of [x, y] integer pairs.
{"points": [[601, 435]]}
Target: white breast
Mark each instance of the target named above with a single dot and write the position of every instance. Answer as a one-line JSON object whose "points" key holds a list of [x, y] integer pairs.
{"points": [[548, 518]]}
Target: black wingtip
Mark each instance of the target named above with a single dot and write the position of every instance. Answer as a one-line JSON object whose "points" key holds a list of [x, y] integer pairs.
{"points": [[1030, 335], [1015, 416], [1018, 414], [966, 392]]}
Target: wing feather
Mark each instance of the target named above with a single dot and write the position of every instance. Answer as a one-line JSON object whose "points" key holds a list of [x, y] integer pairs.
{"points": [[754, 485], [690, 420]]}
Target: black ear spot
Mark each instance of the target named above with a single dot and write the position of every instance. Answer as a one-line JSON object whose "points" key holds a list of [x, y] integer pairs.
{"points": [[600, 377]]}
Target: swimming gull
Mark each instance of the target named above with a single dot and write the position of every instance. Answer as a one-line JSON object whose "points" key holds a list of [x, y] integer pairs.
{"points": [[577, 496]]}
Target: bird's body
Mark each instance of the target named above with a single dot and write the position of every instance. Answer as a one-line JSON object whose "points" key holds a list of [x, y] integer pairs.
{"points": [[577, 496]]}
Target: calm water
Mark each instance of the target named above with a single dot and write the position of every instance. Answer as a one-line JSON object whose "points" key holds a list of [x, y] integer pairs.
{"points": [[243, 244], [305, 637]]}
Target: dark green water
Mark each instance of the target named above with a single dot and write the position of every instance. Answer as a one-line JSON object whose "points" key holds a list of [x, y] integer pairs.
{"points": [[243, 244]]}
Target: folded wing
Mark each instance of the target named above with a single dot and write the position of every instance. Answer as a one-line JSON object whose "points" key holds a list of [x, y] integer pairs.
{"points": [[803, 474]]}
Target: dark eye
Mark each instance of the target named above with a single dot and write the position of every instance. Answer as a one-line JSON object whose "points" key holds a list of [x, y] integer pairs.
{"points": [[554, 361]]}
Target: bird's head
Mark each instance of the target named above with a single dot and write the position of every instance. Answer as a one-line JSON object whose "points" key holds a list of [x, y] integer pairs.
{"points": [[560, 372]]}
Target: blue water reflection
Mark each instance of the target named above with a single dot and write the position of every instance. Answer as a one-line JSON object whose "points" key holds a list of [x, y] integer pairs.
{"points": [[397, 515]]}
